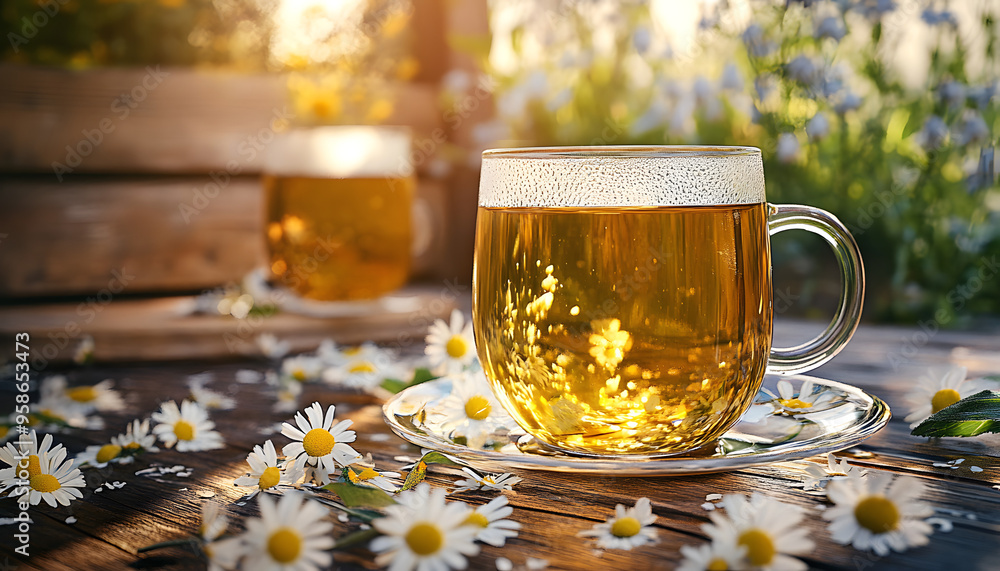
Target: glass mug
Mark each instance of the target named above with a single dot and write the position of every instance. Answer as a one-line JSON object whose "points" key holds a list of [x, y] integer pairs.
{"points": [[622, 295], [337, 204]]}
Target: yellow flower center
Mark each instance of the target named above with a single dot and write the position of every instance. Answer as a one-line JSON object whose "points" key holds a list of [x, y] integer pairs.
{"points": [[284, 545], [456, 347], [183, 430], [299, 375], [362, 367], [34, 466], [944, 398], [877, 514], [108, 452], [476, 518], [477, 407], [269, 478], [368, 474], [424, 539], [350, 351], [760, 547], [318, 442], [132, 446], [44, 483], [3, 431], [717, 564], [794, 403], [625, 527], [82, 394]]}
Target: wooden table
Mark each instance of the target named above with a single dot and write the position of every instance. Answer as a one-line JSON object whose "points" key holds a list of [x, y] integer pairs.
{"points": [[111, 525]]}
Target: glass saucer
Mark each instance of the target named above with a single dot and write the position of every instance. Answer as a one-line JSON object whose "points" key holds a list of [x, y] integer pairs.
{"points": [[840, 416]]}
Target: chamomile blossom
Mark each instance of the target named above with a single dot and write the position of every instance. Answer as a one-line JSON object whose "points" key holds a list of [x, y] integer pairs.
{"points": [[804, 401], [495, 482], [319, 442], [367, 476], [423, 532], [84, 352], [450, 346], [878, 513], [25, 455], [187, 427], [221, 553], [302, 368], [291, 534], [490, 520], [136, 440], [51, 478], [768, 529], [208, 398], [87, 399], [267, 474], [287, 396], [99, 455], [720, 553], [363, 367], [630, 527], [835, 469], [935, 393], [271, 348], [471, 411]]}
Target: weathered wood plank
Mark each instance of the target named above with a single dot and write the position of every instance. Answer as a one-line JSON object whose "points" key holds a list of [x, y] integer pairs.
{"points": [[155, 120], [163, 234]]}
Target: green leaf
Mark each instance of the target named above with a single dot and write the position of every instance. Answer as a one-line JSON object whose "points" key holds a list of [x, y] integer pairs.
{"points": [[393, 385], [971, 416], [422, 375], [355, 539], [355, 497], [415, 476], [439, 458]]}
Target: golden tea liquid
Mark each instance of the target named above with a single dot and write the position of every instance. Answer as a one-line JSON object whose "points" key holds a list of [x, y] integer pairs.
{"points": [[338, 238], [625, 330]]}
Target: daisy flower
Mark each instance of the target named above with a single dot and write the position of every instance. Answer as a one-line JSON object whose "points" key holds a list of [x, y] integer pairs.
{"points": [[25, 456], [319, 442], [100, 455], [329, 354], [878, 513], [721, 553], [471, 411], [84, 352], [87, 399], [208, 398], [288, 395], [50, 477], [492, 527], [302, 368], [933, 394], [136, 440], [425, 533], [270, 347], [368, 477], [630, 527], [835, 469], [188, 427], [450, 348], [496, 482], [290, 535], [221, 553], [267, 474], [768, 529], [806, 400], [363, 367]]}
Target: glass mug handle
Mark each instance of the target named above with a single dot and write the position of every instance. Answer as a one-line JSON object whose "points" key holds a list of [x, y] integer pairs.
{"points": [[814, 353]]}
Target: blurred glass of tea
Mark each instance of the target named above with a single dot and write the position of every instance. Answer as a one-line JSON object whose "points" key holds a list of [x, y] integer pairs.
{"points": [[338, 201]]}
